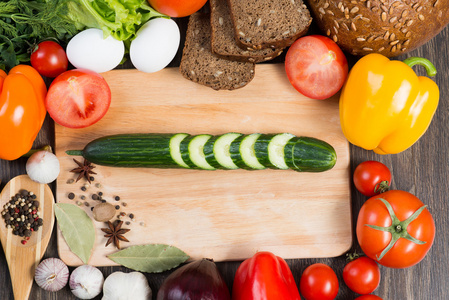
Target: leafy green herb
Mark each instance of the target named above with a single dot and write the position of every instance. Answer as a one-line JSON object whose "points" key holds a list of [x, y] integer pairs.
{"points": [[25, 23], [153, 258], [77, 228]]}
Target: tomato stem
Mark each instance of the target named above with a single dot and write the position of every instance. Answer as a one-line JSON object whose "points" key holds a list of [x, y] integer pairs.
{"points": [[382, 187], [397, 229]]}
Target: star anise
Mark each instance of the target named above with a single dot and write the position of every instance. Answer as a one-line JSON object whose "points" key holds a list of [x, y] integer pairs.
{"points": [[84, 170], [115, 233]]}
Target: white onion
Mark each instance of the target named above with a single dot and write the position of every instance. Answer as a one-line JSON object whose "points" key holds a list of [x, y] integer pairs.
{"points": [[126, 286], [51, 274], [43, 167], [86, 282]]}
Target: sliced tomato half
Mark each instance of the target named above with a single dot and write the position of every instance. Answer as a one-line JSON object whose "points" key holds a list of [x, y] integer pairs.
{"points": [[316, 66], [78, 98]]}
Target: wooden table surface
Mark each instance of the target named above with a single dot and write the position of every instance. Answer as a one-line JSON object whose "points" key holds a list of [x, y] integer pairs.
{"points": [[422, 170]]}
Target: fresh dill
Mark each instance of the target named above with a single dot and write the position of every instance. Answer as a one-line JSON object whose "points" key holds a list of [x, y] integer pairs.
{"points": [[25, 23]]}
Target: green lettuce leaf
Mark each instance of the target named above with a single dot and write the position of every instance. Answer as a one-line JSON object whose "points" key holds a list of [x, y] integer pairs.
{"points": [[119, 18]]}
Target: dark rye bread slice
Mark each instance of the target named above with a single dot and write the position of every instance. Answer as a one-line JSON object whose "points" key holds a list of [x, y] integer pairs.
{"points": [[260, 24], [200, 65], [223, 38]]}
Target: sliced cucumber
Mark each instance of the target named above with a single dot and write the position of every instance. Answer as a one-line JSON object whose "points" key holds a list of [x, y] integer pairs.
{"points": [[276, 150], [261, 150], [217, 151], [175, 149], [243, 153], [194, 156]]}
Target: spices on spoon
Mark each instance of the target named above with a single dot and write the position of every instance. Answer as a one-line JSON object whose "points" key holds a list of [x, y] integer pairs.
{"points": [[21, 214]]}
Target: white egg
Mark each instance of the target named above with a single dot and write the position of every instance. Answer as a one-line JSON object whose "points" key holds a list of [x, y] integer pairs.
{"points": [[155, 45], [90, 50]]}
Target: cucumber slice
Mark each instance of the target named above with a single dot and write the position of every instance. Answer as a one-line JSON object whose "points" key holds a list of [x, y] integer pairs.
{"points": [[261, 150], [243, 153], [276, 150], [175, 149], [217, 151], [194, 156]]}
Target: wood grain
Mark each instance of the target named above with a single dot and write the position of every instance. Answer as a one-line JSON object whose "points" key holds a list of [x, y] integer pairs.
{"points": [[23, 259], [223, 215]]}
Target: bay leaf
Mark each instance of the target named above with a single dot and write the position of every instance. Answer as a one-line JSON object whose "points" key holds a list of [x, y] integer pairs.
{"points": [[151, 258], [77, 229]]}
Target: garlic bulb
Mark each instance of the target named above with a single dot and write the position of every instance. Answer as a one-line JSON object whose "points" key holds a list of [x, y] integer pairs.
{"points": [[126, 286], [86, 282], [43, 167], [51, 274]]}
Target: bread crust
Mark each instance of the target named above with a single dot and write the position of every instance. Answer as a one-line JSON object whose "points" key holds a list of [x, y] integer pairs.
{"points": [[388, 27]]}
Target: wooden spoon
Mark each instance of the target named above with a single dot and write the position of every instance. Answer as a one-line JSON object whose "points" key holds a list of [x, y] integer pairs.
{"points": [[23, 259]]}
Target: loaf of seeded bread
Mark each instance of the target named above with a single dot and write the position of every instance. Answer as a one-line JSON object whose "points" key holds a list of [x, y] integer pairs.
{"points": [[387, 27], [260, 24], [200, 65], [223, 38]]}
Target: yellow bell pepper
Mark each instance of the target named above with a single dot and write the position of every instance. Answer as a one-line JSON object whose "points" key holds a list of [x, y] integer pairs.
{"points": [[385, 106]]}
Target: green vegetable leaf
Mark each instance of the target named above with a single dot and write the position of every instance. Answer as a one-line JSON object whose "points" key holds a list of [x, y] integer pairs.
{"points": [[77, 228], [153, 258], [118, 18]]}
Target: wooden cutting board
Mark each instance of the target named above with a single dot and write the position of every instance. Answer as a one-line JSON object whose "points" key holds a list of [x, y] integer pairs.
{"points": [[224, 215]]}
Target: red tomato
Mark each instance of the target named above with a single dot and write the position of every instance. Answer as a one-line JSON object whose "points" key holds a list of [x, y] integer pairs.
{"points": [[49, 59], [78, 98], [177, 8], [369, 297], [319, 282], [316, 66], [362, 275], [375, 242], [372, 178]]}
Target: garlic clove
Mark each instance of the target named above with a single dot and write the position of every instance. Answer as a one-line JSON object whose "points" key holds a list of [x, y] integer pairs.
{"points": [[126, 286], [43, 167], [86, 282], [51, 274]]}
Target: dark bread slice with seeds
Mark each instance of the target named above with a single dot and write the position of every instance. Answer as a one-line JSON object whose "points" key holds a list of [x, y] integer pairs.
{"points": [[223, 38], [260, 24], [200, 65]]}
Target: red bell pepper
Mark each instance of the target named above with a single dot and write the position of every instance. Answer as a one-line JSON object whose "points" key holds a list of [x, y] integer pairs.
{"points": [[264, 276]]}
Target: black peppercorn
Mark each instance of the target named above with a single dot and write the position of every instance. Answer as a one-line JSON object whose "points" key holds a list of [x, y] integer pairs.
{"points": [[117, 198], [71, 196]]}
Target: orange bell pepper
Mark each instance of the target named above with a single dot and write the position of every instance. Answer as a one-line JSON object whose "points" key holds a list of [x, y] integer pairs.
{"points": [[22, 110], [385, 106]]}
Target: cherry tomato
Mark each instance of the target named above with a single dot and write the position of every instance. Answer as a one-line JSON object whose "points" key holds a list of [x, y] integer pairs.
{"points": [[78, 98], [177, 8], [362, 275], [319, 282], [410, 229], [369, 297], [49, 59], [316, 66], [372, 178]]}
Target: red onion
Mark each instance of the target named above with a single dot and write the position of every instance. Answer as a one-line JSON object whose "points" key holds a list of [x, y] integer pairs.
{"points": [[198, 280]]}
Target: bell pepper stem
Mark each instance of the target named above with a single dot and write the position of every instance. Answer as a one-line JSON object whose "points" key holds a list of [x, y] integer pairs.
{"points": [[430, 68]]}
